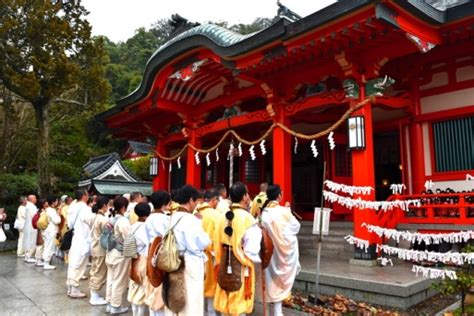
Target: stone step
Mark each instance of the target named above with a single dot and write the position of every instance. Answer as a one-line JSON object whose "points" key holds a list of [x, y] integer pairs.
{"points": [[314, 238], [335, 228], [340, 253]]}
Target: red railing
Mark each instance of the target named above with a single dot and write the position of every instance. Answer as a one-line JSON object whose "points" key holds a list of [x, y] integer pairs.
{"points": [[448, 208]]}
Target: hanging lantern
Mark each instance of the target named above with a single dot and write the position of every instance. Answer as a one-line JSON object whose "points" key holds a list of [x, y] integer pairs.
{"points": [[356, 132]]}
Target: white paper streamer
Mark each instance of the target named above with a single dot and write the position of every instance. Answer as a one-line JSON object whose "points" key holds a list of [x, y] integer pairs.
{"points": [[179, 162], [231, 150], [296, 145], [384, 261], [397, 188], [332, 144], [469, 177], [262, 147], [428, 185], [314, 149], [196, 156], [252, 152], [217, 154], [434, 273], [458, 258], [374, 205], [349, 189], [428, 239], [360, 243], [240, 149], [171, 167], [208, 159]]}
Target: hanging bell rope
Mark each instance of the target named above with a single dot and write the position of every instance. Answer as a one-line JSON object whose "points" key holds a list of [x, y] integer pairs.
{"points": [[232, 132]]}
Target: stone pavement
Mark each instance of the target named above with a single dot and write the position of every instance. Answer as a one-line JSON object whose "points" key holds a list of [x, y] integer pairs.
{"points": [[29, 290]]}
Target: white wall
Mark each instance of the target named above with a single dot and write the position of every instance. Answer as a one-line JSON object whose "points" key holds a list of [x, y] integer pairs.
{"points": [[447, 101]]}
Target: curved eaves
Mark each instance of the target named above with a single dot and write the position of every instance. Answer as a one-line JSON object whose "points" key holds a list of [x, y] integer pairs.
{"points": [[193, 40]]}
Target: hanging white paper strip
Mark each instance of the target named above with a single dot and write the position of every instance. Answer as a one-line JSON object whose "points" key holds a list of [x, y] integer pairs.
{"points": [[332, 144], [349, 189], [314, 149], [434, 273], [457, 258], [296, 145], [360, 243], [374, 205], [252, 152], [262, 147], [196, 156], [217, 154], [179, 162], [397, 188], [428, 239], [231, 151], [208, 159], [240, 150]]}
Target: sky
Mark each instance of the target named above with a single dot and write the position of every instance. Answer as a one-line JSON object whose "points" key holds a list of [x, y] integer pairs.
{"points": [[118, 19]]}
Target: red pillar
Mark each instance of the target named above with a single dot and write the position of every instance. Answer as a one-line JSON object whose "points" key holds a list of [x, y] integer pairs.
{"points": [[417, 157], [363, 173], [193, 170], [160, 182], [282, 159]]}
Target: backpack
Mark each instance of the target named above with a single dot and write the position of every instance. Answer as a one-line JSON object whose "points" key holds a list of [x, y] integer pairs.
{"points": [[107, 238], [34, 220], [168, 259], [130, 245], [43, 221]]}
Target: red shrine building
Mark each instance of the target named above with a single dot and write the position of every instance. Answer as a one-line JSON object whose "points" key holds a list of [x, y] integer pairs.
{"points": [[414, 59]]}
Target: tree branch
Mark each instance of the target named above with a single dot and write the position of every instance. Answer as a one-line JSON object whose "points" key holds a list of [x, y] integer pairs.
{"points": [[68, 101]]}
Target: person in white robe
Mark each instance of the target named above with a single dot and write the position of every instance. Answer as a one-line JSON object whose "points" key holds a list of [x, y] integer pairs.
{"points": [[117, 265], [20, 226], [80, 218], [49, 234], [284, 265], [156, 225], [137, 291], [191, 241], [30, 233], [224, 203]]}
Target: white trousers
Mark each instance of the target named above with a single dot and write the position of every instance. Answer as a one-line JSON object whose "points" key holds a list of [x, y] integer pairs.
{"points": [[20, 249], [49, 246]]}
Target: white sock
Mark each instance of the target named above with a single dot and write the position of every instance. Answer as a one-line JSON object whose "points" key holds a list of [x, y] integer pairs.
{"points": [[141, 310], [278, 308]]}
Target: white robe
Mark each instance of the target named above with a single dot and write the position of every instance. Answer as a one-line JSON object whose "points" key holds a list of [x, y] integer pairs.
{"points": [[284, 265], [191, 241], [81, 242], [30, 233]]}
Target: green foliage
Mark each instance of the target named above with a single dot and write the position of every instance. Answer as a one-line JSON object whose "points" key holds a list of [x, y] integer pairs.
{"points": [[12, 186], [47, 56], [140, 167], [464, 281]]}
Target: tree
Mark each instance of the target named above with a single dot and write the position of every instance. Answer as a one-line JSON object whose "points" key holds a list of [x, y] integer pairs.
{"points": [[47, 56]]}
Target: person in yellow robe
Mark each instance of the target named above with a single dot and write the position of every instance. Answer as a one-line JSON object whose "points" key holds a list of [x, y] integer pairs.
{"points": [[238, 232], [258, 201], [210, 220]]}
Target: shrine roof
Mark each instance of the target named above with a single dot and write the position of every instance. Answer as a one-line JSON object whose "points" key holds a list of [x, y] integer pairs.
{"points": [[229, 45], [97, 166]]}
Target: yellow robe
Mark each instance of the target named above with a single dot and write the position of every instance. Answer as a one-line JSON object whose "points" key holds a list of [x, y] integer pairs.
{"points": [[210, 221], [257, 203], [236, 302]]}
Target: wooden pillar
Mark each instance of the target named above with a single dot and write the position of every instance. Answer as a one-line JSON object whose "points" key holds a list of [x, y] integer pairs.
{"points": [[363, 173], [417, 157], [160, 182], [282, 158], [193, 170]]}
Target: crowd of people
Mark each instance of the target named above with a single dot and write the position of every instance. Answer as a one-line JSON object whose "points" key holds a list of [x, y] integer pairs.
{"points": [[185, 253]]}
